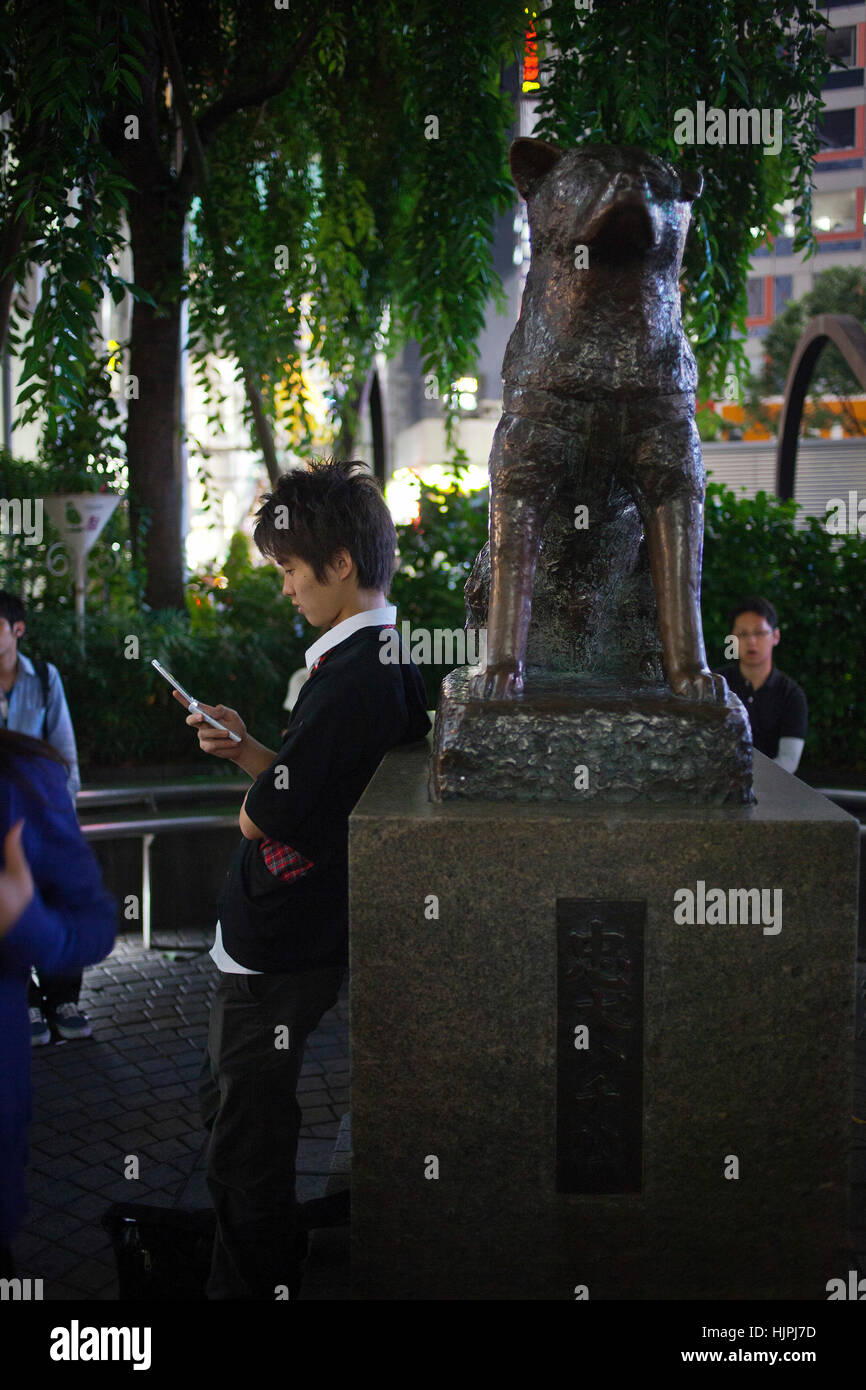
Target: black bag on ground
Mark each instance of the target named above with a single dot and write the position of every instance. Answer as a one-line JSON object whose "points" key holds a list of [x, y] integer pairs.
{"points": [[161, 1252]]}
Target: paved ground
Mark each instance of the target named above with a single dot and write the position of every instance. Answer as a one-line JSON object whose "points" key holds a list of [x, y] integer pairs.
{"points": [[131, 1090]]}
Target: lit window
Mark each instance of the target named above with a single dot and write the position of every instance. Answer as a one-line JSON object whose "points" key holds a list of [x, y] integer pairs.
{"points": [[836, 211]]}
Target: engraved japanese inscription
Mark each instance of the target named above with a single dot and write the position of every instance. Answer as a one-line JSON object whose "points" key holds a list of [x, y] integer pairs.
{"points": [[599, 1125]]}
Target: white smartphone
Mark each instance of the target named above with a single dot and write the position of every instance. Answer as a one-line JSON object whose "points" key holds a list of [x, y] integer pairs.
{"points": [[194, 704]]}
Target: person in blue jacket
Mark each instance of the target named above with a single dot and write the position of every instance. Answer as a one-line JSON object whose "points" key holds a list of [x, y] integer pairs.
{"points": [[54, 914]]}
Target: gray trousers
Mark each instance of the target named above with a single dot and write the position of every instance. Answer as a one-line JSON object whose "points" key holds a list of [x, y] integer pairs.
{"points": [[258, 1027]]}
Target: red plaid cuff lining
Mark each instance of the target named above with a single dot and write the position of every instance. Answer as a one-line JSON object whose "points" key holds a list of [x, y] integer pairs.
{"points": [[282, 861]]}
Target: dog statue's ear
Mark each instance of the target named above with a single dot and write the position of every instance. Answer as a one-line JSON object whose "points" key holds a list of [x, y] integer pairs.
{"points": [[530, 160], [691, 184]]}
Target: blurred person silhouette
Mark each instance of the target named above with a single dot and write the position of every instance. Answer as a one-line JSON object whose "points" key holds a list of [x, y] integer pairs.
{"points": [[54, 914], [33, 701]]}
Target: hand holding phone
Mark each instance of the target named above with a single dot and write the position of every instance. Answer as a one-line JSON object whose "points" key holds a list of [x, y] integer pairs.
{"points": [[204, 712]]}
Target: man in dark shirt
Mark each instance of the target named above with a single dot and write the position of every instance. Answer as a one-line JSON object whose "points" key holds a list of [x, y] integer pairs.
{"points": [[282, 937], [775, 704]]}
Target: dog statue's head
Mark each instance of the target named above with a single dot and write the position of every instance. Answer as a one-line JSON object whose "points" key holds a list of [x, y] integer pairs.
{"points": [[617, 200]]}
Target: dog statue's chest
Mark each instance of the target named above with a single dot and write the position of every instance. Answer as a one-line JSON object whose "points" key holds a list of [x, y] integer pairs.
{"points": [[581, 342]]}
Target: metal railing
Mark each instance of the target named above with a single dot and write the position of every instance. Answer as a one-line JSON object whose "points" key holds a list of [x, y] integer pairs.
{"points": [[147, 827], [169, 791], [840, 794]]}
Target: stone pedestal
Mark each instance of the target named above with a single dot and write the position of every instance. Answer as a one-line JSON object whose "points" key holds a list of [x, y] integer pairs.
{"points": [[589, 740], [561, 1085]]}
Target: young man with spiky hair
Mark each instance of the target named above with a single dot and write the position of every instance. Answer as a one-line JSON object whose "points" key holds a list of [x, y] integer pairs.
{"points": [[281, 940]]}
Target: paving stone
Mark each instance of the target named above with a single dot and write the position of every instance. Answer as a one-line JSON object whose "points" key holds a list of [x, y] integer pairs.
{"points": [[92, 1275], [322, 1131], [60, 1165], [94, 1096], [169, 1148], [41, 1129], [121, 1069], [185, 1062], [163, 1174], [59, 1225], [139, 1137], [314, 1155], [129, 1043], [49, 1088], [58, 1292], [56, 1106], [95, 1130], [88, 1206], [155, 1067], [89, 1240], [170, 1108], [126, 1190], [68, 1068], [37, 1206], [55, 1144], [171, 1092], [95, 1179], [28, 1248], [311, 1081], [55, 1262], [318, 1115], [312, 1098]]}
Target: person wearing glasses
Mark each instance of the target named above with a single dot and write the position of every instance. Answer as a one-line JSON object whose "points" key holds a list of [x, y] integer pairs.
{"points": [[776, 704]]}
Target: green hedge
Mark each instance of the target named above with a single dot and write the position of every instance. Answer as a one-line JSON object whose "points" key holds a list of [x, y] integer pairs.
{"points": [[815, 581], [437, 552]]}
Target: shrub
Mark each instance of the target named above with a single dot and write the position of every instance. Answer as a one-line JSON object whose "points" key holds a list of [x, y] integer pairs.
{"points": [[815, 581], [437, 552]]}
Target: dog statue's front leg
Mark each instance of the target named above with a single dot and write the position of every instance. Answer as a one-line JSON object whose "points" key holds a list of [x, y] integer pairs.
{"points": [[674, 533], [515, 533]]}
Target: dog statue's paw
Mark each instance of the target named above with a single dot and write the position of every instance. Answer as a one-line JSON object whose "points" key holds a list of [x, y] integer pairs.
{"points": [[704, 687], [500, 682]]}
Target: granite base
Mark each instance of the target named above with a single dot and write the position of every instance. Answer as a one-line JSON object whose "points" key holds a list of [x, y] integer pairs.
{"points": [[461, 1108]]}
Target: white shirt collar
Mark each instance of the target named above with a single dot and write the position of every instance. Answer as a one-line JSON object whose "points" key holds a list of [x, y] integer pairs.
{"points": [[371, 617]]}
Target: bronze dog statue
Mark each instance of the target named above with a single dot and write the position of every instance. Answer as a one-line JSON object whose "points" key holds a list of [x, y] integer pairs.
{"points": [[597, 426]]}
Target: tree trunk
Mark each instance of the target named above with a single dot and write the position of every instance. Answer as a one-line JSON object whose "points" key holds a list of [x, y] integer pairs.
{"points": [[156, 225], [264, 433]]}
